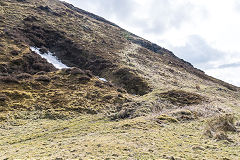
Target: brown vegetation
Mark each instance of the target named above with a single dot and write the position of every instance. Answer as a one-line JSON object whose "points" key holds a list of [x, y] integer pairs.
{"points": [[217, 127], [156, 101], [8, 79], [178, 97]]}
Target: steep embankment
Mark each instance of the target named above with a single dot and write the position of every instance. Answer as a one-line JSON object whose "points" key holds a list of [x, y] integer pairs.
{"points": [[134, 67]]}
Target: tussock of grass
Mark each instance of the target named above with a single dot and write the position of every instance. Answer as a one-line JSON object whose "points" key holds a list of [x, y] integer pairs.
{"points": [[218, 127]]}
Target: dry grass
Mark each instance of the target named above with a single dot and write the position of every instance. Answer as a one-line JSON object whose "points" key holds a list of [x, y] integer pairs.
{"points": [[43, 121], [95, 137], [181, 98], [218, 127]]}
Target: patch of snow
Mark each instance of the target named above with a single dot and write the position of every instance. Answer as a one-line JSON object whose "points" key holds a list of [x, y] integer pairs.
{"points": [[103, 79], [50, 58]]}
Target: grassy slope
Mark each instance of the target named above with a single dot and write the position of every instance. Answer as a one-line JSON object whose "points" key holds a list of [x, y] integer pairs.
{"points": [[95, 137], [33, 133]]}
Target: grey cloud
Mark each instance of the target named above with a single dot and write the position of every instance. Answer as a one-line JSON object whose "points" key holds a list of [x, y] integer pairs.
{"points": [[167, 14], [164, 14], [230, 65], [121, 9], [198, 52], [237, 5], [106, 8]]}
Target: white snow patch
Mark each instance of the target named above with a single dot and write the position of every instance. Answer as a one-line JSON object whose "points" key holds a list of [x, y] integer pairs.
{"points": [[50, 58], [103, 79]]}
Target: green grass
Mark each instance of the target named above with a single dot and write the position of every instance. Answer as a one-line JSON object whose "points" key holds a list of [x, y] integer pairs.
{"points": [[96, 137]]}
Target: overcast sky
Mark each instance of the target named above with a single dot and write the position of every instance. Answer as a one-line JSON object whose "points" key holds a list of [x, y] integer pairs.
{"points": [[205, 33]]}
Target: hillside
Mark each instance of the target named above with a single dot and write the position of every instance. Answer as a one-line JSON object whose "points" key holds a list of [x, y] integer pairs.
{"points": [[119, 96]]}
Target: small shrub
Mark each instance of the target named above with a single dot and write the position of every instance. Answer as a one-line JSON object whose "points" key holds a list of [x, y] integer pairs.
{"points": [[17, 61], [219, 136], [218, 127], [8, 79], [2, 3], [41, 67], [76, 71], [14, 53], [222, 123], [3, 68], [43, 50], [23, 76], [30, 19], [184, 115], [65, 71], [122, 114], [17, 95], [43, 78], [237, 123], [198, 87], [53, 115], [41, 73], [3, 98], [84, 79], [89, 73]]}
